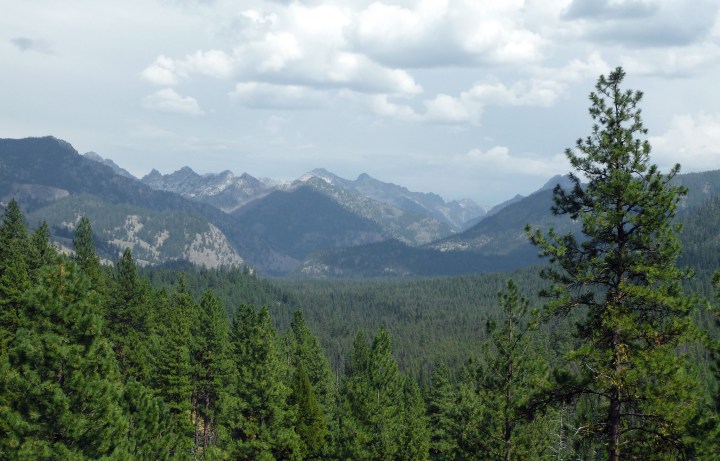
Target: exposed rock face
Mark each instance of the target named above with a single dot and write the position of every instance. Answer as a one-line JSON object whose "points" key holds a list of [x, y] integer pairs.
{"points": [[211, 249]]}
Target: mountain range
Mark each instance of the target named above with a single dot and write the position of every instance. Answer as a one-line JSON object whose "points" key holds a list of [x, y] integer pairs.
{"points": [[320, 225]]}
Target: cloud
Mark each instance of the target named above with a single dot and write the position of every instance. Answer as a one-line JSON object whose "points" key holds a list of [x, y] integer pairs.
{"points": [[606, 9], [167, 100], [298, 45], [29, 44], [260, 95], [435, 33], [692, 140], [576, 70], [501, 163], [633, 23], [673, 62], [468, 106]]}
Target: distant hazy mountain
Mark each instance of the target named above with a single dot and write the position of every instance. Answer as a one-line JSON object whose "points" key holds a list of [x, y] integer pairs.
{"points": [[410, 227], [321, 225], [223, 190], [106, 161], [229, 193], [497, 242], [454, 213]]}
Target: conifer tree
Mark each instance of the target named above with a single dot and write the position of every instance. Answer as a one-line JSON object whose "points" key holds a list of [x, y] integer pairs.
{"points": [[212, 371], [512, 374], [85, 254], [304, 351], [621, 280], [371, 413], [173, 367], [62, 375], [258, 417], [127, 315], [310, 422], [42, 250], [415, 437], [15, 253], [150, 436], [441, 418]]}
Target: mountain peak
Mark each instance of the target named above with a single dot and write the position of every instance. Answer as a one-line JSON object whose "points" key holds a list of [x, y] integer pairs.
{"points": [[559, 179]]}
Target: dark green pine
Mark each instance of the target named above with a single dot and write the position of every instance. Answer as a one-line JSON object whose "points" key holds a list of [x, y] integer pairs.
{"points": [[15, 256], [370, 420], [212, 375], [415, 438], [43, 251], [310, 422], [259, 419], [127, 314], [621, 282], [304, 351], [440, 411], [62, 374], [86, 256], [172, 360], [512, 374]]}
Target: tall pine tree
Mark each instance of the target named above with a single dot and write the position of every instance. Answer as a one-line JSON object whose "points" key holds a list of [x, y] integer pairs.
{"points": [[621, 281], [259, 419]]}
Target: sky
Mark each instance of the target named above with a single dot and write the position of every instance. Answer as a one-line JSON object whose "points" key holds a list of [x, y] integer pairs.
{"points": [[465, 98]]}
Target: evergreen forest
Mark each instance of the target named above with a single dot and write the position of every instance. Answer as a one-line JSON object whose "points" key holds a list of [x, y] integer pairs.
{"points": [[606, 349]]}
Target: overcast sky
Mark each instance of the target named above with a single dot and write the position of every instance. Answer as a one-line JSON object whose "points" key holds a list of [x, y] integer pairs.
{"points": [[466, 98]]}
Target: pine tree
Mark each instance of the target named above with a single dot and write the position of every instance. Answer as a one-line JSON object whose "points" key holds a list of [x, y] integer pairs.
{"points": [[415, 437], [310, 422], [371, 413], [15, 255], [304, 351], [441, 408], [127, 318], [258, 417], [212, 371], [173, 366], [621, 281], [85, 254], [150, 436], [42, 250], [512, 374], [61, 374]]}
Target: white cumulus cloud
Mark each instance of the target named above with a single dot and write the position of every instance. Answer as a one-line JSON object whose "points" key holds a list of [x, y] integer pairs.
{"points": [[168, 100], [693, 141]]}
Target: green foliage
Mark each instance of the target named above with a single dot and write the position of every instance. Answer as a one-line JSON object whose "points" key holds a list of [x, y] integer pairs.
{"points": [[259, 419], [173, 366], [61, 375], [212, 371], [128, 316], [310, 422], [15, 253], [371, 408], [623, 274], [85, 254], [512, 373]]}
